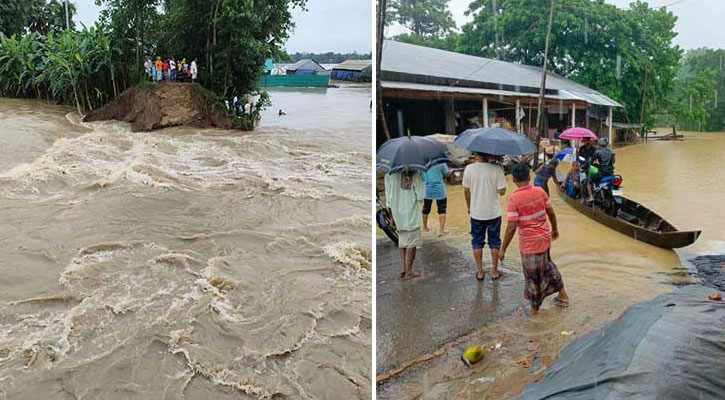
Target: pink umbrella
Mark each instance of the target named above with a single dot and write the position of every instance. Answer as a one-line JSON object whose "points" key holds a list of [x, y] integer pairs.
{"points": [[578, 133]]}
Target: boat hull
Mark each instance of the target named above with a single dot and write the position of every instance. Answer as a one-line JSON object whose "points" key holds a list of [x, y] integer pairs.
{"points": [[645, 225]]}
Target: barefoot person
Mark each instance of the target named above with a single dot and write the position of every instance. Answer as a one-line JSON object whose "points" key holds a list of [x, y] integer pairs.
{"points": [[435, 189], [528, 208], [404, 192], [483, 183]]}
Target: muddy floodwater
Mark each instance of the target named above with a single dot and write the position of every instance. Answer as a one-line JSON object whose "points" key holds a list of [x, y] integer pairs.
{"points": [[187, 263], [604, 272]]}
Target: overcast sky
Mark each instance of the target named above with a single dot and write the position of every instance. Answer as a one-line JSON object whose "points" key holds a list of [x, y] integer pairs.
{"points": [[699, 23], [341, 26]]}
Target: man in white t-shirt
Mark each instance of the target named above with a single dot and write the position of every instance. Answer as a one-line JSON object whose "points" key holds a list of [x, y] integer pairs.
{"points": [[483, 184]]}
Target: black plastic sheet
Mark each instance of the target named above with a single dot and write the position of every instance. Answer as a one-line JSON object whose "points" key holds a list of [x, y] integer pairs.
{"points": [[671, 347]]}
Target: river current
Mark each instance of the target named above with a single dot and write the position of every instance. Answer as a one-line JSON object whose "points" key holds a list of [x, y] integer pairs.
{"points": [[187, 263]]}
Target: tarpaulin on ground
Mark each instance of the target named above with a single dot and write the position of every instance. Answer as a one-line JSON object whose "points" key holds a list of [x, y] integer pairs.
{"points": [[671, 347]]}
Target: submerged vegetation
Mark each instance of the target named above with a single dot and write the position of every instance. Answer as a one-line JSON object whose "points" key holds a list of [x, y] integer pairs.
{"points": [[89, 67]]}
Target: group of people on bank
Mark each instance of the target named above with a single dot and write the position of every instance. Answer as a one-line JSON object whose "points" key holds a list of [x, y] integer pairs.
{"points": [[411, 194], [170, 70]]}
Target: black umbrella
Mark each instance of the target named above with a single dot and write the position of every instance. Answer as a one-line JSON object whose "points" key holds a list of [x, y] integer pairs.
{"points": [[496, 141], [410, 152]]}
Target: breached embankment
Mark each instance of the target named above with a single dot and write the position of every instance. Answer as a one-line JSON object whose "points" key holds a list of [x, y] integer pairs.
{"points": [[162, 106]]}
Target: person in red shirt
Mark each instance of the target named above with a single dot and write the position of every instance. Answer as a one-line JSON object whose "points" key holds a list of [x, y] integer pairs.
{"points": [[528, 209], [165, 67]]}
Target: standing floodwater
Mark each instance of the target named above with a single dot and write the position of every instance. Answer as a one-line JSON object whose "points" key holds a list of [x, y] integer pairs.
{"points": [[605, 272], [187, 263]]}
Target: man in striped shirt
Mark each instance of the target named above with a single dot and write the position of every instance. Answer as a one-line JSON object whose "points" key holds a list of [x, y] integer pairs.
{"points": [[528, 209]]}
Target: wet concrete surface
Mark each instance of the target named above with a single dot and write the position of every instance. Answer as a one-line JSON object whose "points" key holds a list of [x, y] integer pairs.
{"points": [[417, 317]]}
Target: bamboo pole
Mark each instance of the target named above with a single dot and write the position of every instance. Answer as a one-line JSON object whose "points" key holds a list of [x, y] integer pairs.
{"points": [[539, 116], [382, 5]]}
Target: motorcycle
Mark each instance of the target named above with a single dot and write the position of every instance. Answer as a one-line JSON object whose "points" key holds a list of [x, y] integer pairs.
{"points": [[608, 194], [384, 219]]}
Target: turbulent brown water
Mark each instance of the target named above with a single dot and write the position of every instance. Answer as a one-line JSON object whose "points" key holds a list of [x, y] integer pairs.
{"points": [[185, 263], [604, 271]]}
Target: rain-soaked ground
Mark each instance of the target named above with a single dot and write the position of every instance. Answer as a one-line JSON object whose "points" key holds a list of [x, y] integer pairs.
{"points": [[425, 324]]}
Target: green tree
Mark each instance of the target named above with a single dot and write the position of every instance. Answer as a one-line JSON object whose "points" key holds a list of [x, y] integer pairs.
{"points": [[42, 16], [423, 17], [448, 42], [230, 38], [698, 60], [134, 27], [691, 103]]}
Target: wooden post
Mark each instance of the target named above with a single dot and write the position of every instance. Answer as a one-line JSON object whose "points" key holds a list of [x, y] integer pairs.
{"points": [[586, 113], [611, 122], [641, 113], [383, 4], [539, 117], [516, 115], [485, 112], [573, 115]]}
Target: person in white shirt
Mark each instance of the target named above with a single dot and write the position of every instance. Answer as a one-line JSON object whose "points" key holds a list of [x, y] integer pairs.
{"points": [[147, 68], [193, 70], [172, 69], [483, 183]]}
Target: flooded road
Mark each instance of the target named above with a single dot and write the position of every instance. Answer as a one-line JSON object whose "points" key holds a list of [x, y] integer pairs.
{"points": [[187, 263], [604, 271]]}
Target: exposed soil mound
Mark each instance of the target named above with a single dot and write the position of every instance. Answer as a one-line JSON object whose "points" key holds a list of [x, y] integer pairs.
{"points": [[162, 106]]}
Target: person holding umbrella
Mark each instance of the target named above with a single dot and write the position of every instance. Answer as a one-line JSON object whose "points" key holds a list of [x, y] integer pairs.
{"points": [[404, 159], [404, 192], [484, 183]]}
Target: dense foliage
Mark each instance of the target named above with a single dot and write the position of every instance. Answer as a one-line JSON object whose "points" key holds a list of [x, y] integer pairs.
{"points": [[697, 101], [76, 67], [422, 17], [41, 16], [230, 38]]}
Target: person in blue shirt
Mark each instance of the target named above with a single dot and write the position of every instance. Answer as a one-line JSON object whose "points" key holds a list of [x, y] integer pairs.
{"points": [[545, 172], [435, 189]]}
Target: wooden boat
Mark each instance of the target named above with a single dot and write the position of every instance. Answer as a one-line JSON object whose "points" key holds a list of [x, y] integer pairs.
{"points": [[639, 222]]}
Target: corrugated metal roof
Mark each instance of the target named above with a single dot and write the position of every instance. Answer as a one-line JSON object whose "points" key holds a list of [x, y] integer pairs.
{"points": [[306, 64], [461, 90], [412, 60], [354, 65]]}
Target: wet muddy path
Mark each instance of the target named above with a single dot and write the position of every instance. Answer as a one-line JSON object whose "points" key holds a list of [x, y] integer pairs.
{"points": [[604, 271], [186, 263]]}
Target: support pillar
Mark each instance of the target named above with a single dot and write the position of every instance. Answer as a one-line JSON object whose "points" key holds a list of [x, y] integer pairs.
{"points": [[485, 112], [516, 115], [401, 125], [450, 117], [573, 115], [611, 122]]}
